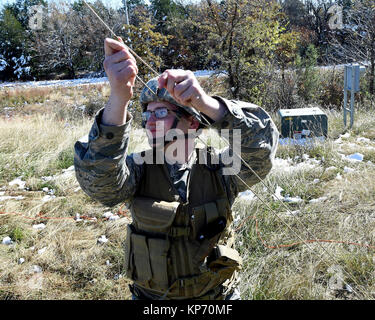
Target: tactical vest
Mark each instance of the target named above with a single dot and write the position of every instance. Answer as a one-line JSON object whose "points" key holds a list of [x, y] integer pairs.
{"points": [[164, 251]]}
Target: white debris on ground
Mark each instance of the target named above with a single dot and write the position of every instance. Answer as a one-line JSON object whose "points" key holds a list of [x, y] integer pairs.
{"points": [[102, 239], [21, 260], [7, 241], [321, 199], [48, 198], [292, 213], [348, 170], [110, 216], [292, 199], [277, 196], [18, 181], [3, 198], [247, 195], [40, 226], [36, 269], [306, 142], [77, 217], [82, 81], [362, 139], [41, 251], [289, 166]]}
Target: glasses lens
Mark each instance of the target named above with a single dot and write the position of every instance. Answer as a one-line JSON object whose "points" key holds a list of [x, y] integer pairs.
{"points": [[146, 115], [161, 113]]}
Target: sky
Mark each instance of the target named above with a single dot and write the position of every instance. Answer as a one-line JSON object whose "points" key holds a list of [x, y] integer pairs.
{"points": [[112, 3]]}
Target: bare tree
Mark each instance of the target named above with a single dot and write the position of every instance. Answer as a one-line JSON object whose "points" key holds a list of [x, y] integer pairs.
{"points": [[356, 41]]}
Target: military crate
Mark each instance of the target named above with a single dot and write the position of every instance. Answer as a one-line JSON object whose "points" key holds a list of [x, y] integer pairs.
{"points": [[303, 122]]}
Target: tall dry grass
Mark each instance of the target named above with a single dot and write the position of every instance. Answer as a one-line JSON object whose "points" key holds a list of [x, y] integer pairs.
{"points": [[36, 143]]}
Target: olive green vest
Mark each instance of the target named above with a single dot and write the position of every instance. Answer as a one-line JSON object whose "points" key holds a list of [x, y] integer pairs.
{"points": [[164, 254]]}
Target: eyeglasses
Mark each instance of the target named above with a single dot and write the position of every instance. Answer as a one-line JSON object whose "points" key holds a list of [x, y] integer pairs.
{"points": [[159, 113]]}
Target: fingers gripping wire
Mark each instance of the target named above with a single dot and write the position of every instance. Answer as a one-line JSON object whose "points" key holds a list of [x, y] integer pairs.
{"points": [[131, 50]]}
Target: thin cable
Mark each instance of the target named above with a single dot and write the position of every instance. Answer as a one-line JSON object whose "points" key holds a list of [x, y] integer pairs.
{"points": [[131, 50]]}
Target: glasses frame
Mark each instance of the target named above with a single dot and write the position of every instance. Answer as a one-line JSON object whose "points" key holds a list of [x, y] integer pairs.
{"points": [[154, 112]]}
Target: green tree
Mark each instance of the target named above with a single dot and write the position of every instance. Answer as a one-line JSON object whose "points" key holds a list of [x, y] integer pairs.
{"points": [[14, 56], [146, 42], [245, 36], [308, 82]]}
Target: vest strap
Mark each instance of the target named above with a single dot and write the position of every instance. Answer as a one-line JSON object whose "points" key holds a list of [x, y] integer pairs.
{"points": [[179, 231]]}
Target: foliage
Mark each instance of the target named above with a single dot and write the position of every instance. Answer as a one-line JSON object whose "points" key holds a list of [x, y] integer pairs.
{"points": [[245, 36], [146, 42], [308, 76], [14, 56]]}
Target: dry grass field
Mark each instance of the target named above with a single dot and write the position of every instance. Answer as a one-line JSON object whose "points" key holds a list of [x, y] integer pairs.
{"points": [[52, 233]]}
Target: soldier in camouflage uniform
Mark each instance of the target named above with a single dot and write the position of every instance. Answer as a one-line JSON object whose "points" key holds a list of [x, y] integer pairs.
{"points": [[180, 244]]}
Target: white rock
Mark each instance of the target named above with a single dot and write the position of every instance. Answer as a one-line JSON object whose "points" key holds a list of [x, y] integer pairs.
{"points": [[114, 217], [36, 269], [108, 263], [102, 239], [21, 260], [45, 189], [316, 181], [7, 241], [339, 177], [40, 226]]}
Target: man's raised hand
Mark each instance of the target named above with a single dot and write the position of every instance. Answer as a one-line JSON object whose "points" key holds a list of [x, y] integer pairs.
{"points": [[121, 69]]}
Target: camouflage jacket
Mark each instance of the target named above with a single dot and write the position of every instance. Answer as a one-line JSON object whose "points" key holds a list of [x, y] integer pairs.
{"points": [[108, 174]]}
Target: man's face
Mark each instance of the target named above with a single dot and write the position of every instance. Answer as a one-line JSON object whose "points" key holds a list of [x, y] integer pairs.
{"points": [[166, 122]]}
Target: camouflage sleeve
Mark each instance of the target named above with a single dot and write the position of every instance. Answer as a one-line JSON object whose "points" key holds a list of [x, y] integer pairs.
{"points": [[103, 169], [257, 141]]}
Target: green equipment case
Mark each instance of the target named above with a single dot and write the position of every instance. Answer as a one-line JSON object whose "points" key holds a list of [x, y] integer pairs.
{"points": [[303, 123]]}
